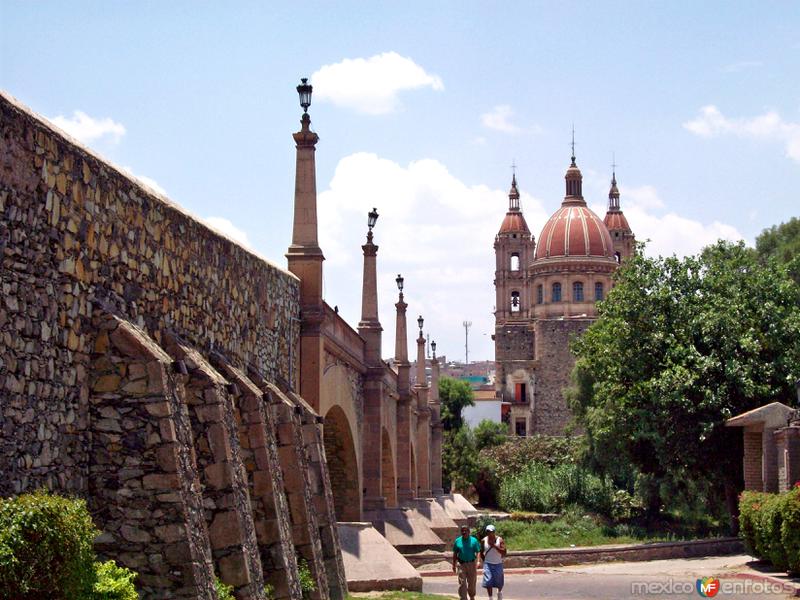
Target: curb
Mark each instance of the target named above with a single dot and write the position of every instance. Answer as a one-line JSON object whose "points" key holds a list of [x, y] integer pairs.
{"points": [[788, 586], [515, 571]]}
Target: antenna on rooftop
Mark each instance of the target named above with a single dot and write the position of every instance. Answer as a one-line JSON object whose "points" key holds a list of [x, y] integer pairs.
{"points": [[467, 325]]}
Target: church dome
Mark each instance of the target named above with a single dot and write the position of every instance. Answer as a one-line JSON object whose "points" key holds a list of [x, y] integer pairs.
{"points": [[574, 230], [616, 220]]}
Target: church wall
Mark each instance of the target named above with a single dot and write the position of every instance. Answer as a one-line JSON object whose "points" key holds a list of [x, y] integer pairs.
{"points": [[554, 364]]}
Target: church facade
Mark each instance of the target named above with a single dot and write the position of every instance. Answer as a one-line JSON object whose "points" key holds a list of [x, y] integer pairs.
{"points": [[546, 293]]}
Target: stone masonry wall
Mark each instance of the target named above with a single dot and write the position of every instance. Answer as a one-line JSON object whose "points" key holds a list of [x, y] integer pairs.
{"points": [[554, 364], [127, 328], [76, 233]]}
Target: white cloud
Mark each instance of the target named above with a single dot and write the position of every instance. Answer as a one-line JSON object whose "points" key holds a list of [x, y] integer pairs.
{"points": [[147, 181], [224, 226], [371, 85], [668, 232], [769, 127], [499, 119], [742, 65], [88, 129], [434, 229]]}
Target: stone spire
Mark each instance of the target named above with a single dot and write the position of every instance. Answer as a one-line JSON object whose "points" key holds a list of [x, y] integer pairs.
{"points": [[369, 327], [613, 193], [401, 342], [513, 195]]}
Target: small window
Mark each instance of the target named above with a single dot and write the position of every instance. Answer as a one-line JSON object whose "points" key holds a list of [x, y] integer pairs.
{"points": [[539, 294], [519, 393], [520, 428], [577, 292], [598, 291], [617, 257], [515, 262], [556, 296], [514, 301]]}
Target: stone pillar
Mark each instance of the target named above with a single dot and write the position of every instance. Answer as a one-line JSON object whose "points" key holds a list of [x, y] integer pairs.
{"points": [[752, 460], [323, 502], [769, 460], [405, 490], [144, 490], [788, 453], [423, 424], [305, 260], [436, 428], [369, 328], [219, 461], [265, 484], [299, 486]]}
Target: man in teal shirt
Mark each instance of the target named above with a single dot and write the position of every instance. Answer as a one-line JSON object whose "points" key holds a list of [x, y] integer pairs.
{"points": [[466, 549]]}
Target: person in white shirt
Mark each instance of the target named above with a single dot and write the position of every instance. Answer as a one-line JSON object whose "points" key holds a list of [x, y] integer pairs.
{"points": [[493, 550]]}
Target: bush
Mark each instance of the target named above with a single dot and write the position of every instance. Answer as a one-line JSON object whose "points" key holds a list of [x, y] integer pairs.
{"points": [[114, 582], [770, 525], [46, 553], [307, 583], [224, 591], [45, 548], [515, 455], [541, 488]]}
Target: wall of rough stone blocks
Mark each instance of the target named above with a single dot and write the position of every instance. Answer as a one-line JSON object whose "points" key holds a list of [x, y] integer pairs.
{"points": [[554, 363], [194, 488]]}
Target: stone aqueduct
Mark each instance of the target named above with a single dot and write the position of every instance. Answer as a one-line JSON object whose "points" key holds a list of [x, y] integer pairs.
{"points": [[217, 415]]}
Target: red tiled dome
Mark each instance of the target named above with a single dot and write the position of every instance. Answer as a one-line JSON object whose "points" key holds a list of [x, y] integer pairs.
{"points": [[514, 222], [574, 230], [616, 220]]}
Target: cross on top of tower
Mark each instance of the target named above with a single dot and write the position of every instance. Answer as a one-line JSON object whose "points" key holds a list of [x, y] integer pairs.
{"points": [[573, 144]]}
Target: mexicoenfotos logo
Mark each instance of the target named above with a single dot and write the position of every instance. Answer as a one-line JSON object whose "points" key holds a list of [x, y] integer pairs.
{"points": [[708, 587]]}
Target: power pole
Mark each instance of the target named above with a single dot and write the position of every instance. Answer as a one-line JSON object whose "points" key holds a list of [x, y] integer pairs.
{"points": [[467, 325], [428, 345]]}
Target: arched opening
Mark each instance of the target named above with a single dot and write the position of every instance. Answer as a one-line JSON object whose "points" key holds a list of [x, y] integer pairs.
{"points": [[556, 295], [577, 291], [388, 479], [341, 456], [514, 302], [598, 291], [515, 262]]}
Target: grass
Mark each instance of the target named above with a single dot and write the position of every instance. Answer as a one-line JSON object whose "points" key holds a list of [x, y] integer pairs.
{"points": [[398, 596], [584, 530]]}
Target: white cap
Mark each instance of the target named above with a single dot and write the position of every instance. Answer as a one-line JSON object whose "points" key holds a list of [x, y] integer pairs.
{"points": [[490, 528]]}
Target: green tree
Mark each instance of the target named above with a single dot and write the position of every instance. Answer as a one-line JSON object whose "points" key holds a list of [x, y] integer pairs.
{"points": [[782, 243], [454, 395], [460, 460], [680, 345], [490, 433]]}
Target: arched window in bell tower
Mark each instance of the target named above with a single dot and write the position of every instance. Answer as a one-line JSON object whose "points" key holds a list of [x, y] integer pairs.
{"points": [[514, 262], [514, 302]]}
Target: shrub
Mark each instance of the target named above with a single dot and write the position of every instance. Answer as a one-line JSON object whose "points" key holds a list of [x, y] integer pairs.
{"points": [[224, 591], [307, 583], [541, 488], [114, 582], [46, 548], [770, 525], [514, 456]]}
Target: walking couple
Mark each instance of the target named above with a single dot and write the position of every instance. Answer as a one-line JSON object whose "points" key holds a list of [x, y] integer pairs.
{"points": [[491, 550]]}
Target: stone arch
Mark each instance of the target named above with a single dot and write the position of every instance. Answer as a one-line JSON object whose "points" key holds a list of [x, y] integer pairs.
{"points": [[388, 479], [342, 464]]}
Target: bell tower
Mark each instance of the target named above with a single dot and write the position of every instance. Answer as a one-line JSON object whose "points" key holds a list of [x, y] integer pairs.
{"points": [[513, 336], [621, 234]]}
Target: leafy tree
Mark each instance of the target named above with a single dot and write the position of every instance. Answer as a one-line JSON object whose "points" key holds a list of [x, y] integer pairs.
{"points": [[460, 460], [490, 433], [680, 345], [454, 395], [782, 243]]}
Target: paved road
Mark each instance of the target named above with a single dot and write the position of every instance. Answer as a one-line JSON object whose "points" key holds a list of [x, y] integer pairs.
{"points": [[655, 579]]}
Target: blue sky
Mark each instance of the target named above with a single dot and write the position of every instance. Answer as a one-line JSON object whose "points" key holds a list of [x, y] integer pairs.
{"points": [[421, 109]]}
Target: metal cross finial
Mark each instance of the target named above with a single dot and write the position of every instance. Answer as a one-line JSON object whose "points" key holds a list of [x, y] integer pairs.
{"points": [[614, 163], [573, 142], [513, 167]]}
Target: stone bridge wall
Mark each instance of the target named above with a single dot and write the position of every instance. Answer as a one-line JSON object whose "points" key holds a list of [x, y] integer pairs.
{"points": [[115, 305]]}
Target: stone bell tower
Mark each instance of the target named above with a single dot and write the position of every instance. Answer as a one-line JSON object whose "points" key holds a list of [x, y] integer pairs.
{"points": [[513, 337]]}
